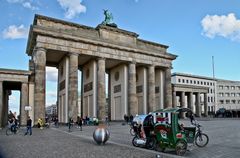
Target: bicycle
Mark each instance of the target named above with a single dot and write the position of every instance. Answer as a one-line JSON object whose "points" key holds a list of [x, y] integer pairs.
{"points": [[11, 131], [201, 139]]}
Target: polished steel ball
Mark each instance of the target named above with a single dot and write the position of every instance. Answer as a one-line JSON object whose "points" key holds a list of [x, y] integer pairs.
{"points": [[101, 135]]}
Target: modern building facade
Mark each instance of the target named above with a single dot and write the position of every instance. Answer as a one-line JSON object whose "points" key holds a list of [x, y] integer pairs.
{"points": [[195, 92], [51, 110], [220, 93], [228, 94]]}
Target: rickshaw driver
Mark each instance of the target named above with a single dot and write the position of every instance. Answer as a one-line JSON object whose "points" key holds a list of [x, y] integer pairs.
{"points": [[148, 127]]}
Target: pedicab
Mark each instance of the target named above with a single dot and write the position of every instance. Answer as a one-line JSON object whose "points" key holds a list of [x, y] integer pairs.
{"points": [[144, 134], [170, 134]]}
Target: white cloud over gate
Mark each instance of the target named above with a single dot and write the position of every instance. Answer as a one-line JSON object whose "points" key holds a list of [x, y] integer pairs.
{"points": [[227, 26], [72, 7]]}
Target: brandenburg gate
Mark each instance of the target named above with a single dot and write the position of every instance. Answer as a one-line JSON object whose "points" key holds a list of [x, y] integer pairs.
{"points": [[139, 71]]}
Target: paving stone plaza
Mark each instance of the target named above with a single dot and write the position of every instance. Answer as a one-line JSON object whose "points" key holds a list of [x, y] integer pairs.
{"points": [[58, 142]]}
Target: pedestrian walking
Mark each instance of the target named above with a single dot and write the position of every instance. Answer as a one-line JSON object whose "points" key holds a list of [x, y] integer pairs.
{"points": [[79, 122], [29, 126], [70, 123]]}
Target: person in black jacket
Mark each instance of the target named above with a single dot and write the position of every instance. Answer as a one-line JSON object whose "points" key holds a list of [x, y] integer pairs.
{"points": [[29, 126]]}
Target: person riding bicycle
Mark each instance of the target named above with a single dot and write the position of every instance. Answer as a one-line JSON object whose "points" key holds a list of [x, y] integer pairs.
{"points": [[148, 127], [12, 123]]}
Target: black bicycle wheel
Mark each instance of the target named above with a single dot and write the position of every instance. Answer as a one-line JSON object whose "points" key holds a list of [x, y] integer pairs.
{"points": [[201, 140], [8, 132], [132, 132]]}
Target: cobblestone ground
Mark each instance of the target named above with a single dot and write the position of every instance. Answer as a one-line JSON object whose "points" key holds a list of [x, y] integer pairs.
{"points": [[58, 142]]}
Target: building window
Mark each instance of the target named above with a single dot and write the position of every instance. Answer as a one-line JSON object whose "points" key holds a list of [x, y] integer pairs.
{"points": [[221, 94], [220, 87], [179, 80], [204, 83], [194, 82], [233, 101], [187, 81], [232, 94], [238, 101], [211, 91], [191, 81], [221, 101], [238, 87], [183, 81], [232, 87], [227, 94], [201, 83], [209, 99], [197, 82], [208, 83], [227, 101], [227, 87]]}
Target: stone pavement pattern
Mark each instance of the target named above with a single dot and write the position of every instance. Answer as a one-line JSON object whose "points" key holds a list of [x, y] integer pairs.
{"points": [[58, 142]]}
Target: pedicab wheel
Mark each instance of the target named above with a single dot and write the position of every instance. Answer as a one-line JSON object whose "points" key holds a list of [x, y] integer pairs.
{"points": [[181, 147], [151, 144], [134, 141], [132, 132], [158, 148], [201, 140]]}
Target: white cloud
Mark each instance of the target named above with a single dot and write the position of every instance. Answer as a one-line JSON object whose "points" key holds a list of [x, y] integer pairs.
{"points": [[227, 26], [51, 97], [52, 94], [72, 7], [15, 1], [51, 74], [25, 3], [29, 6], [15, 32]]}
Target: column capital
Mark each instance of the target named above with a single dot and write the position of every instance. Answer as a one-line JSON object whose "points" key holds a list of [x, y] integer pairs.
{"points": [[71, 53], [39, 49], [101, 58], [153, 65]]}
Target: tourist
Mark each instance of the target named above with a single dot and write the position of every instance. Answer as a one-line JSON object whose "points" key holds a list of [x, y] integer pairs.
{"points": [[29, 126]]}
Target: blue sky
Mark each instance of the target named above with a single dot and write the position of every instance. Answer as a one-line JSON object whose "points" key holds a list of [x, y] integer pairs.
{"points": [[193, 30]]}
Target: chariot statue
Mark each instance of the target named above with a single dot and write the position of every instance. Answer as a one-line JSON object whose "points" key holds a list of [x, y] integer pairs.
{"points": [[108, 19]]}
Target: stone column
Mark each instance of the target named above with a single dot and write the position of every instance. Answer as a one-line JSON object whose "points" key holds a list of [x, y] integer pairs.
{"points": [[183, 103], [190, 100], [101, 94], [73, 86], [151, 89], [174, 99], [183, 100], [109, 96], [132, 95], [168, 89], [1, 104], [205, 105], [24, 102], [39, 57], [198, 110]]}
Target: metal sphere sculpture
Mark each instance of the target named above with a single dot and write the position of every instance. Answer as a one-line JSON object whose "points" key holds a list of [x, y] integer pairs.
{"points": [[101, 135]]}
